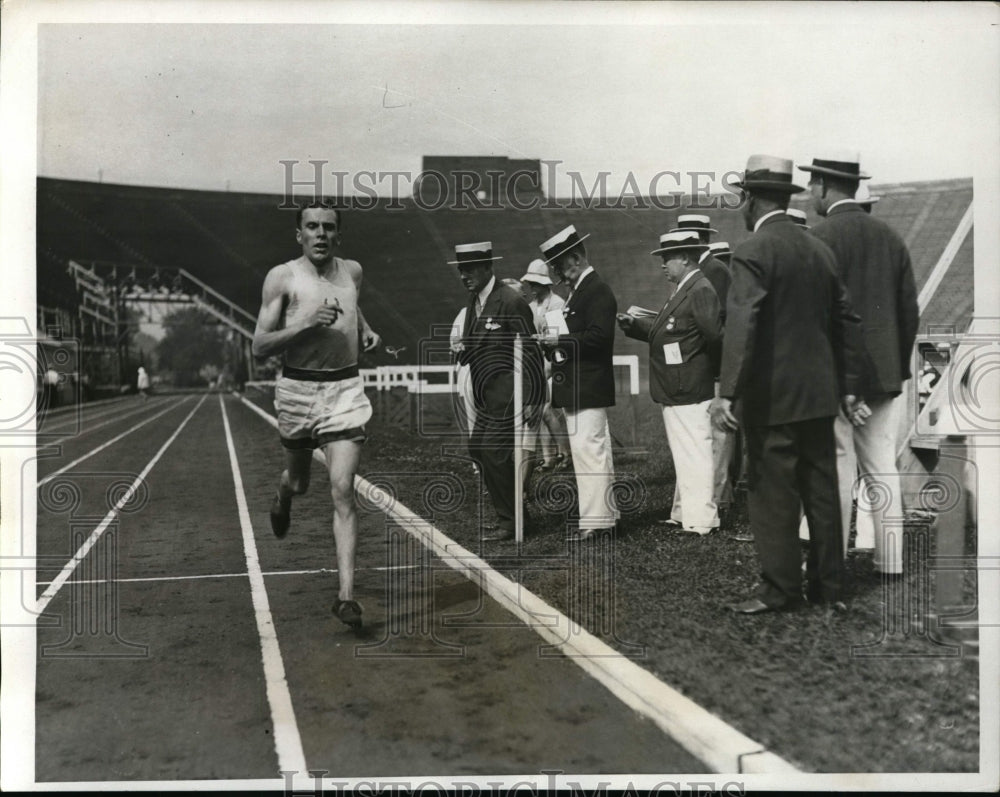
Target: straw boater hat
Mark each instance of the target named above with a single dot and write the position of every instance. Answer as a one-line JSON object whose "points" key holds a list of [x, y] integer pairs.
{"points": [[561, 242], [720, 248], [799, 217], [838, 164], [693, 221], [864, 197], [473, 254], [537, 272], [678, 242], [768, 173]]}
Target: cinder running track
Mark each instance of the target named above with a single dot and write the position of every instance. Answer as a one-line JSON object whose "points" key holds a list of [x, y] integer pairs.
{"points": [[180, 640]]}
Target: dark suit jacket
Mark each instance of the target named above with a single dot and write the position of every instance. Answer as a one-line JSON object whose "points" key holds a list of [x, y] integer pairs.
{"points": [[489, 352], [690, 319], [583, 376], [719, 275], [792, 345], [873, 263]]}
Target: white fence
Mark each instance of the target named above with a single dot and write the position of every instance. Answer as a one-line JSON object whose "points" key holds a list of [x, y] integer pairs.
{"points": [[443, 378]]}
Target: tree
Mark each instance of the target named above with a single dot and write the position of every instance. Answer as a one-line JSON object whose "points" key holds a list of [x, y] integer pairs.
{"points": [[192, 340]]}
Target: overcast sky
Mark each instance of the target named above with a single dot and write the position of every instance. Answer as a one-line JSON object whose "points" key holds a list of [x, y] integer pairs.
{"points": [[912, 87]]}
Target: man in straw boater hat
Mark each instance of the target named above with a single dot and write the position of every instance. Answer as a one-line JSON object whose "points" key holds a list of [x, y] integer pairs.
{"points": [[723, 441], [720, 251], [791, 348], [684, 348], [714, 269], [496, 313], [581, 350], [552, 431], [873, 262]]}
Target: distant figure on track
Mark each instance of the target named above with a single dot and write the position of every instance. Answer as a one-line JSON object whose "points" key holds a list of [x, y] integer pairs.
{"points": [[142, 383], [309, 314]]}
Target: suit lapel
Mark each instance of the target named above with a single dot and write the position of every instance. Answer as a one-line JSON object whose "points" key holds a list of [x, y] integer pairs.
{"points": [[674, 301], [490, 307], [470, 317], [585, 283]]}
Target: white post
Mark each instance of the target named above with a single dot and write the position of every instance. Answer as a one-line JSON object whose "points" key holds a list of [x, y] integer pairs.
{"points": [[518, 434]]}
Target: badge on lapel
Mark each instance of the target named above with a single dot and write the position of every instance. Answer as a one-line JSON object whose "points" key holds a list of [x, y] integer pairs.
{"points": [[671, 323], [491, 324]]}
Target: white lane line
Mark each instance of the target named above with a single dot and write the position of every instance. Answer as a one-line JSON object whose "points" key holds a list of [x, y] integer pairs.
{"points": [[58, 412], [287, 742], [707, 737], [95, 535], [70, 420], [112, 441], [266, 574], [90, 429]]}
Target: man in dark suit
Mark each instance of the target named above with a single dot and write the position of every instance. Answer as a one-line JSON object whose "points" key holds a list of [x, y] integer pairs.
{"points": [[874, 264], [495, 315], [718, 273], [583, 378], [792, 346], [684, 347]]}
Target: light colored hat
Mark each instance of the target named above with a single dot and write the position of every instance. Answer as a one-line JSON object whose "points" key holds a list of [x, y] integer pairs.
{"points": [[471, 254], [798, 216], [693, 221], [561, 242], [838, 164], [678, 242], [768, 173], [720, 248], [864, 196], [537, 272]]}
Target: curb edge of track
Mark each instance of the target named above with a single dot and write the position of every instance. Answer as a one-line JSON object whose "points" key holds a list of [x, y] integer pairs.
{"points": [[707, 737]]}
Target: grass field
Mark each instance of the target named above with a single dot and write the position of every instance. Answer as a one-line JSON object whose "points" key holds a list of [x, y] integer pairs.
{"points": [[872, 690]]}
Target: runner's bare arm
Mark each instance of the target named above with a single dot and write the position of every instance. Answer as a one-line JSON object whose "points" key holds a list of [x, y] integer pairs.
{"points": [[370, 339], [268, 338]]}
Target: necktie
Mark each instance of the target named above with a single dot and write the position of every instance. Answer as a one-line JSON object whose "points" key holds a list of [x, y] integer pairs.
{"points": [[479, 307]]}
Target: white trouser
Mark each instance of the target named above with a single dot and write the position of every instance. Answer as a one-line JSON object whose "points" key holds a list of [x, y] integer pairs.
{"points": [[590, 444], [872, 449], [878, 489], [468, 405], [689, 433]]}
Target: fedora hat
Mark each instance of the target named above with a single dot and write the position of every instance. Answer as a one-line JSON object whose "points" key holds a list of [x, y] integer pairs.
{"points": [[693, 221], [799, 217], [561, 242], [864, 196], [473, 254], [720, 248], [768, 173], [679, 241], [838, 164], [537, 272]]}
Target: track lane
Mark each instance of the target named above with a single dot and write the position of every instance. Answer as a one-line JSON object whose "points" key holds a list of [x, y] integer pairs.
{"points": [[471, 699], [193, 704]]}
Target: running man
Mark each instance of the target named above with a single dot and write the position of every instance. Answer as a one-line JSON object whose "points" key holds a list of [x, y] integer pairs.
{"points": [[309, 314]]}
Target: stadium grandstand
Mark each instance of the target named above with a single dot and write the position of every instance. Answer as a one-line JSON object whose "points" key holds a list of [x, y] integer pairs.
{"points": [[216, 247], [228, 241]]}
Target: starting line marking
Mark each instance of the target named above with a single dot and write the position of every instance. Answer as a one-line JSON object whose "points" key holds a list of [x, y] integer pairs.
{"points": [[287, 741], [719, 745]]}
